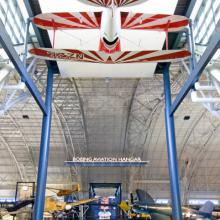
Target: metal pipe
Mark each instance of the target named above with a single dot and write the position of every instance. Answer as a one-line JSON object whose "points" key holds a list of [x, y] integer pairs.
{"points": [[19, 86], [26, 41], [186, 67], [208, 54], [215, 72], [206, 87], [216, 84], [44, 151], [7, 45], [171, 149], [192, 45], [196, 98], [5, 70]]}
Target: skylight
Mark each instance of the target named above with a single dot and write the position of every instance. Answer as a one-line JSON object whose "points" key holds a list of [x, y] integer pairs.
{"points": [[12, 18], [205, 16]]}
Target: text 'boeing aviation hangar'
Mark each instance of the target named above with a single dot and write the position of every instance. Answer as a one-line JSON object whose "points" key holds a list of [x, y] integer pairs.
{"points": [[110, 21]]}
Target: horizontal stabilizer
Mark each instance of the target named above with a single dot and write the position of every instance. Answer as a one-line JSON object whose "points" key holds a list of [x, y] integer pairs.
{"points": [[90, 56], [155, 22], [68, 20], [108, 3]]}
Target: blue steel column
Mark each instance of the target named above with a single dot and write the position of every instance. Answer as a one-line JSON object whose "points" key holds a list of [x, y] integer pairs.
{"points": [[44, 151], [171, 149]]}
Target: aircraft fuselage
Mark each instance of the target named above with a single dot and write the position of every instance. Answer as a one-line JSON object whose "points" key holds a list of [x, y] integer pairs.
{"points": [[110, 30], [165, 213]]}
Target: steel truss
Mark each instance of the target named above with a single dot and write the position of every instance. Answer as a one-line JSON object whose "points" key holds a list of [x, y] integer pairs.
{"points": [[46, 108]]}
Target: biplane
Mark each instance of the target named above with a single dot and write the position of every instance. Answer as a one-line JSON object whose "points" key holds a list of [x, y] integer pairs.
{"points": [[65, 192], [56, 207], [110, 21]]}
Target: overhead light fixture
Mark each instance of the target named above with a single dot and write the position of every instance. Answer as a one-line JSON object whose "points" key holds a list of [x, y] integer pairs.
{"points": [[25, 116], [186, 118]]}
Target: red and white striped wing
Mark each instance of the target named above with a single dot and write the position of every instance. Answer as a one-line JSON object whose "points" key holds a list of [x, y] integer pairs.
{"points": [[108, 3], [68, 20], [115, 58], [155, 22]]}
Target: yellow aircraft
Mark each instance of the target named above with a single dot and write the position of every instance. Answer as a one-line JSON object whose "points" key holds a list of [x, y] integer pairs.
{"points": [[53, 205], [132, 215], [65, 192]]}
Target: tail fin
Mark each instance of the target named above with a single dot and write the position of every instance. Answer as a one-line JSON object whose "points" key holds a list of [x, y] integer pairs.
{"points": [[108, 3], [144, 197], [124, 206], [207, 208]]}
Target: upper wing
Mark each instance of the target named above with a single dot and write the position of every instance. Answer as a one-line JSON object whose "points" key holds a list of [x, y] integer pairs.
{"points": [[108, 3], [67, 20], [121, 57], [83, 201], [155, 22]]}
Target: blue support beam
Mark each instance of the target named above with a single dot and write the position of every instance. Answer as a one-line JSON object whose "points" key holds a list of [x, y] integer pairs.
{"points": [[44, 151], [6, 43], [33, 8], [171, 149], [190, 8], [212, 47]]}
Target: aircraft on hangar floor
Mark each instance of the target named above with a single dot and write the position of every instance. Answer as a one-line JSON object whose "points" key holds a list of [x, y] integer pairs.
{"points": [[52, 206], [110, 21], [146, 206], [17, 208], [58, 208], [65, 192]]}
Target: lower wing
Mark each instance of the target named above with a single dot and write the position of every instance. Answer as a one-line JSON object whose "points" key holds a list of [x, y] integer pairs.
{"points": [[154, 22], [121, 57], [82, 202]]}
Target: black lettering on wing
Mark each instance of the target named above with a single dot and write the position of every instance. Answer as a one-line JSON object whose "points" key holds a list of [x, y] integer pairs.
{"points": [[80, 56]]}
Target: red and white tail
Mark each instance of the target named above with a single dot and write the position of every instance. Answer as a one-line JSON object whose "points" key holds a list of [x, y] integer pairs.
{"points": [[91, 56], [116, 47], [109, 3]]}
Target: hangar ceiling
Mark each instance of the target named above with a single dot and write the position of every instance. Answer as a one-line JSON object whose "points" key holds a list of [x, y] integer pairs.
{"points": [[111, 117]]}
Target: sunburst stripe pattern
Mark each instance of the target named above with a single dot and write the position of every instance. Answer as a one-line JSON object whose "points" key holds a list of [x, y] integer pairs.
{"points": [[115, 58], [157, 22], [67, 20]]}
